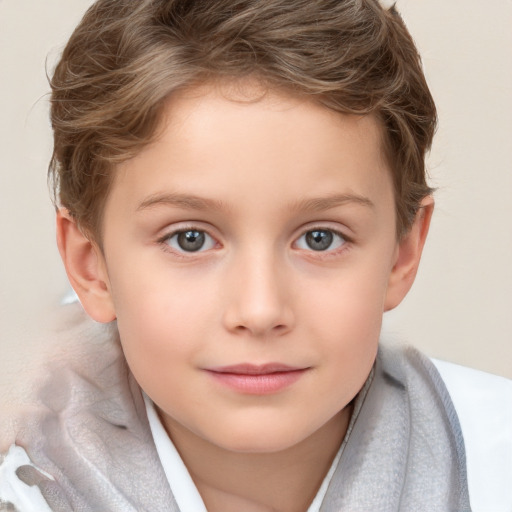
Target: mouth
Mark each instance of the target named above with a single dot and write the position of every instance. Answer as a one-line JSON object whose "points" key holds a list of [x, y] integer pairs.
{"points": [[257, 379]]}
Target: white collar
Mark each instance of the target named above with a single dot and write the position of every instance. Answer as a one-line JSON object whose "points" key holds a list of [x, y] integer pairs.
{"points": [[182, 486], [185, 492]]}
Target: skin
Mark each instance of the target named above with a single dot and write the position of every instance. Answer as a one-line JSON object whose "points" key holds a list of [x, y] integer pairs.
{"points": [[255, 177]]}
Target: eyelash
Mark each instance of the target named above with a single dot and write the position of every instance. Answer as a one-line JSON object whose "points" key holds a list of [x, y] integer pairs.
{"points": [[164, 242]]}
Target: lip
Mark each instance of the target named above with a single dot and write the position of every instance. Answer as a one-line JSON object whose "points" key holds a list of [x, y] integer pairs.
{"points": [[253, 379]]}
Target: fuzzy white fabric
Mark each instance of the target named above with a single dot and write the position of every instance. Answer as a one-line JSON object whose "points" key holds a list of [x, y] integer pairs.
{"points": [[23, 497]]}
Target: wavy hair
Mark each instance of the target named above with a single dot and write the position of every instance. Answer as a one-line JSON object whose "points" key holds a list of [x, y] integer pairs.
{"points": [[125, 58]]}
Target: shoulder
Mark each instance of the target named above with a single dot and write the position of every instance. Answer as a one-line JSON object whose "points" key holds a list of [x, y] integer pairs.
{"points": [[483, 403]]}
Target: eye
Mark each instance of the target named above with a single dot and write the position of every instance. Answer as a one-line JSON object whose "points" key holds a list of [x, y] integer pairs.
{"points": [[320, 240], [190, 240]]}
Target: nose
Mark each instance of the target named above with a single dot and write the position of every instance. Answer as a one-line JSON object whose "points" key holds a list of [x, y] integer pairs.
{"points": [[259, 301]]}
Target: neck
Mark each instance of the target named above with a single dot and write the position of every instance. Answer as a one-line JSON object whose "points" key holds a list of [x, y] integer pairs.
{"points": [[286, 480]]}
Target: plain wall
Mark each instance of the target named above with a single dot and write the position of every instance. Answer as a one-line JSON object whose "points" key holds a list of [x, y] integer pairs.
{"points": [[460, 306]]}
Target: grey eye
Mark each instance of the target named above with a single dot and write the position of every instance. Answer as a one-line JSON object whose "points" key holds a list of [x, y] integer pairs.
{"points": [[320, 240], [191, 240]]}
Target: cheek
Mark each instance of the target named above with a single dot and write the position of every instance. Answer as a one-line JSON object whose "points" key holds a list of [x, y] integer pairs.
{"points": [[351, 302], [347, 314], [157, 296], [162, 317]]}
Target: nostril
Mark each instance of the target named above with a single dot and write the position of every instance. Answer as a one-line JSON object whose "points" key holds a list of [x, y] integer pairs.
{"points": [[261, 331]]}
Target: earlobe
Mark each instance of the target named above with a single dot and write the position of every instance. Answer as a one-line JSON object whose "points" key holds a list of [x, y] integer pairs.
{"points": [[408, 255], [85, 267]]}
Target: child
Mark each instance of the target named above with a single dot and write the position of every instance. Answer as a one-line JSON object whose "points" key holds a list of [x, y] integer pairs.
{"points": [[242, 195]]}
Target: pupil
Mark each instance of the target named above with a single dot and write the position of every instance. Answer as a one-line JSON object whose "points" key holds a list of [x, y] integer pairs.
{"points": [[319, 240], [191, 240]]}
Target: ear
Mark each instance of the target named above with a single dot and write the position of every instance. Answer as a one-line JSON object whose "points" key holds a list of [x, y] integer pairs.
{"points": [[85, 267], [408, 255]]}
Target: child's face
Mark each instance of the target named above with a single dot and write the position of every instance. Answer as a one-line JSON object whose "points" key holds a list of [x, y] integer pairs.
{"points": [[252, 233]]}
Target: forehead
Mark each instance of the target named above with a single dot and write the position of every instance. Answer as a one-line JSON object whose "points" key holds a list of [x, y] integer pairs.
{"points": [[227, 142]]}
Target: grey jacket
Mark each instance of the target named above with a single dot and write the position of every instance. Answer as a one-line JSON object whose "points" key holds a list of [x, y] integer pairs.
{"points": [[403, 452]]}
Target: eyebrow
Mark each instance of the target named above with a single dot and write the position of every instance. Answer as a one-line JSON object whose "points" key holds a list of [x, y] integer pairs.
{"points": [[332, 201], [185, 201], [191, 202]]}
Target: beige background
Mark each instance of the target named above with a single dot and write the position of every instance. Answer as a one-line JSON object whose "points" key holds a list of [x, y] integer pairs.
{"points": [[460, 307]]}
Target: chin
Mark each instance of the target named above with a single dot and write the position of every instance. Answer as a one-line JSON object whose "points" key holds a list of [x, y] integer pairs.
{"points": [[260, 440], [259, 446]]}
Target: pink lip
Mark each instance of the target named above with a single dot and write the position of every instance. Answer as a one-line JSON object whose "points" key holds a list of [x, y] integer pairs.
{"points": [[257, 379]]}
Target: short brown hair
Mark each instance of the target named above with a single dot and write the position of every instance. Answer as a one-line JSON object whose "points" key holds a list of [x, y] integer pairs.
{"points": [[125, 58]]}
